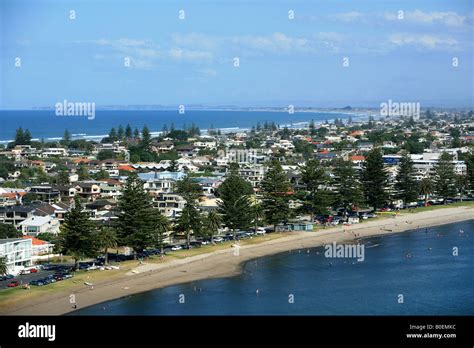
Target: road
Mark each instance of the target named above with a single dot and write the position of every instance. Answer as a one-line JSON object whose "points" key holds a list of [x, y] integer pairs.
{"points": [[24, 279]]}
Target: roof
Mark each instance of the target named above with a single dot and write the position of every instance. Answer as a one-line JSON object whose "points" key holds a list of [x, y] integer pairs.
{"points": [[126, 167], [35, 241], [357, 158], [35, 221]]}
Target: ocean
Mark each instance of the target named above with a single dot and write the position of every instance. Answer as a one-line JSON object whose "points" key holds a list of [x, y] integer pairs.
{"points": [[44, 124], [431, 282]]}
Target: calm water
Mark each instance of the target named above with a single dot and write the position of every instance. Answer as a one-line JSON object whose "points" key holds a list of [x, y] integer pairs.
{"points": [[45, 124], [433, 282]]}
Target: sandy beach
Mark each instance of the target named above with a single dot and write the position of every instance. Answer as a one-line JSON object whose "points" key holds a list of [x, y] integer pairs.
{"points": [[224, 263]]}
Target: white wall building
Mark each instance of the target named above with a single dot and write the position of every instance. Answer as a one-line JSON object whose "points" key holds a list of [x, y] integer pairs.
{"points": [[18, 253]]}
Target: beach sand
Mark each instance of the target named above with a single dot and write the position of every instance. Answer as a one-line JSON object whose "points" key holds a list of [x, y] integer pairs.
{"points": [[224, 263]]}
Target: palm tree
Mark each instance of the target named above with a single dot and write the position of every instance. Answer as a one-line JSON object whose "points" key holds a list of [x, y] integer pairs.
{"points": [[107, 238], [161, 225], [426, 188], [257, 211], [3, 266], [213, 223]]}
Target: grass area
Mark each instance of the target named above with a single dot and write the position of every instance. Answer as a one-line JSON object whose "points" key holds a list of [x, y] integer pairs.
{"points": [[436, 207]]}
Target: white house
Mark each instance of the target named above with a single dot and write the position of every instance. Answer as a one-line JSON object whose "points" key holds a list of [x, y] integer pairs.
{"points": [[39, 224]]}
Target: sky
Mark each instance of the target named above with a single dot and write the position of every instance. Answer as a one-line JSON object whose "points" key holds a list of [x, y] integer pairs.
{"points": [[322, 53]]}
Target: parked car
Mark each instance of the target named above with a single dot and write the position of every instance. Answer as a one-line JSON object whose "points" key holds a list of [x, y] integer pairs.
{"points": [[176, 247], [13, 284], [261, 231], [218, 240]]}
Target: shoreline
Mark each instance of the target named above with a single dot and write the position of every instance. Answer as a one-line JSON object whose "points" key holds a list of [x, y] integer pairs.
{"points": [[223, 263]]}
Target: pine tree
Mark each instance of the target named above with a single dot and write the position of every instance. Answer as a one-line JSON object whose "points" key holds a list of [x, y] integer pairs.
{"points": [[374, 179], [136, 217], [347, 186], [234, 207], [66, 138], [19, 137], [128, 132], [146, 138], [120, 132], [316, 197], [77, 236], [27, 137], [406, 186], [445, 178], [275, 187], [136, 134], [113, 134]]}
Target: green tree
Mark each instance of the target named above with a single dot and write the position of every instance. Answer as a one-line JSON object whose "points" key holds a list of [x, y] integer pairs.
{"points": [[274, 188], [135, 223], [233, 202], [470, 170], [189, 221], [113, 134], [101, 175], [348, 190], [3, 265], [19, 137], [106, 239], [66, 138], [83, 173], [426, 188], [121, 133], [406, 186], [445, 178], [316, 198], [128, 131], [213, 223], [63, 177], [8, 231], [160, 226], [146, 138], [77, 236], [27, 137], [105, 154], [374, 179]]}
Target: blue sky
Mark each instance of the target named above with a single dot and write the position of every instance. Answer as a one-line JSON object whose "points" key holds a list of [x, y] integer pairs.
{"points": [[282, 61]]}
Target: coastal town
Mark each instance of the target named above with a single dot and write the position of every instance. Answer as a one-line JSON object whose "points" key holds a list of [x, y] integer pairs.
{"points": [[148, 196]]}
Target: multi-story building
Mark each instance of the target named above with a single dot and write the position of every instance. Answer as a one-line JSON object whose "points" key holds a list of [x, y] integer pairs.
{"points": [[18, 253]]}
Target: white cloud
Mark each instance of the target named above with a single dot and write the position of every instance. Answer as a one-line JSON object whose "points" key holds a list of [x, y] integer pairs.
{"points": [[348, 16], [177, 53], [450, 19], [276, 42], [424, 41]]}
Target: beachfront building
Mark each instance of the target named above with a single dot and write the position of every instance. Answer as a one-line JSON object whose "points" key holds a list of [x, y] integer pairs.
{"points": [[18, 253], [39, 224]]}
